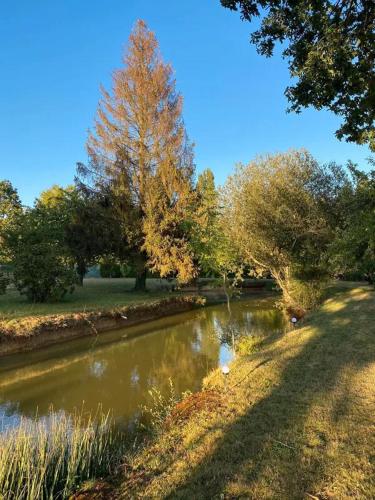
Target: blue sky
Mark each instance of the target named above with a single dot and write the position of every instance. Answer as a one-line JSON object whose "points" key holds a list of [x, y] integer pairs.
{"points": [[55, 54]]}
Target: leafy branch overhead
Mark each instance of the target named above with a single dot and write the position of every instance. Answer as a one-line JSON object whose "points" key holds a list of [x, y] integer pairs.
{"points": [[330, 48]]}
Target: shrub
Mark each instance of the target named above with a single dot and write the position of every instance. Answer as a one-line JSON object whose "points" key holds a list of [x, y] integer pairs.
{"points": [[4, 282], [110, 269], [247, 345], [50, 457], [306, 294], [43, 277], [41, 268], [161, 407]]}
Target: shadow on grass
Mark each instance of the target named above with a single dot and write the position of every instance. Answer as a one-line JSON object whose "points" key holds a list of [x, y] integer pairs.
{"points": [[278, 449]]}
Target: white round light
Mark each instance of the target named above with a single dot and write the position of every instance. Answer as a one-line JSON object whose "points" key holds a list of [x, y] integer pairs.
{"points": [[225, 369], [294, 320]]}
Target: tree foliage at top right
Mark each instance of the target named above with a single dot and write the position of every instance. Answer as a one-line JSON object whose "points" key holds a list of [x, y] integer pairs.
{"points": [[330, 47]]}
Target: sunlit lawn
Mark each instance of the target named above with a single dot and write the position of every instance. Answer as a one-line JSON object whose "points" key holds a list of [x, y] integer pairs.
{"points": [[293, 421], [96, 293]]}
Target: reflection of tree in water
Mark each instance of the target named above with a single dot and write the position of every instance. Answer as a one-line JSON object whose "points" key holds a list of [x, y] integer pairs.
{"points": [[238, 321], [186, 360], [119, 375]]}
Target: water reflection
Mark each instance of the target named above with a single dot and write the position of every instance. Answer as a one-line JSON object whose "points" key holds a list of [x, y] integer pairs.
{"points": [[118, 372]]}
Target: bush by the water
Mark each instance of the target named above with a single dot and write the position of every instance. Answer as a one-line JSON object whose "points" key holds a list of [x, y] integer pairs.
{"points": [[306, 294], [248, 344], [161, 407], [51, 457]]}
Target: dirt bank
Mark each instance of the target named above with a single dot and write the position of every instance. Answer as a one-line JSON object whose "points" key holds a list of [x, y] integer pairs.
{"points": [[33, 332]]}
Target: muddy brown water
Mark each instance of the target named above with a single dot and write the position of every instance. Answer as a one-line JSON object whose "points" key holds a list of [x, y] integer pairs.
{"points": [[118, 372]]}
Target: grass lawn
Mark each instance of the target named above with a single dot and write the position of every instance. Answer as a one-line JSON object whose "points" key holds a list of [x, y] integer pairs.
{"points": [[96, 293], [295, 420]]}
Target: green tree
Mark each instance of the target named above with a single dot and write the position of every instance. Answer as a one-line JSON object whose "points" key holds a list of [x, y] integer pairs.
{"points": [[211, 239], [89, 228], [10, 206], [56, 197], [42, 269], [206, 230], [330, 47], [277, 211], [139, 153], [353, 249]]}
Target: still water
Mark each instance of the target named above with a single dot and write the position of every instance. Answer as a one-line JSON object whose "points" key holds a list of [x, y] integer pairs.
{"points": [[117, 372]]}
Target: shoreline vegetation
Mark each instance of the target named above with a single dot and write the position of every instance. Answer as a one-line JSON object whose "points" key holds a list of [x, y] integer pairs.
{"points": [[292, 420], [51, 457], [32, 329]]}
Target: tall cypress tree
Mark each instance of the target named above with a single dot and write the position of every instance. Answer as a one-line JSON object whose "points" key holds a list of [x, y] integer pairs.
{"points": [[139, 151]]}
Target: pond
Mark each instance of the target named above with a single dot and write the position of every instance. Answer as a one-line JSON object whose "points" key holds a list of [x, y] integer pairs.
{"points": [[117, 371]]}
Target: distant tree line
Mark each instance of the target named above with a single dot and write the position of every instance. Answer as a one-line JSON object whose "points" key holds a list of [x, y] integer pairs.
{"points": [[137, 203]]}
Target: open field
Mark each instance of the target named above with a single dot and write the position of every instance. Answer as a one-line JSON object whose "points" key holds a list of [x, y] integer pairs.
{"points": [[97, 293], [294, 420]]}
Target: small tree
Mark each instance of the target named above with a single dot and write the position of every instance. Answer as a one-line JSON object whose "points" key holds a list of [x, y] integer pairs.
{"points": [[213, 248], [206, 232], [42, 268], [276, 210]]}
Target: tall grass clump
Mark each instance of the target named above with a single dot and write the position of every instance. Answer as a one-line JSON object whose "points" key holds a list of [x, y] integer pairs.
{"points": [[49, 458], [160, 408]]}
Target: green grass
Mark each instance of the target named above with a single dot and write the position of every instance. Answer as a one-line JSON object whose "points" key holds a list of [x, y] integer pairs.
{"points": [[95, 294], [49, 458], [294, 420]]}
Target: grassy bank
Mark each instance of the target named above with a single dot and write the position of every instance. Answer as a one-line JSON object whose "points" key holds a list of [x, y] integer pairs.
{"points": [[104, 293], [97, 293], [294, 420]]}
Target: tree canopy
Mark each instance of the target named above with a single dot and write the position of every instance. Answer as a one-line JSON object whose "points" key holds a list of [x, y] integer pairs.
{"points": [[330, 48], [89, 228], [353, 249], [278, 216], [10, 206], [139, 153], [42, 268]]}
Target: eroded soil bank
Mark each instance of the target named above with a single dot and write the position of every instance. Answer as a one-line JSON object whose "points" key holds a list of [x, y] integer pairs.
{"points": [[34, 332]]}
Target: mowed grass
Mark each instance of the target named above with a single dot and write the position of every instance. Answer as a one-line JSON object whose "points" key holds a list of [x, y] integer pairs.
{"points": [[96, 293], [295, 420]]}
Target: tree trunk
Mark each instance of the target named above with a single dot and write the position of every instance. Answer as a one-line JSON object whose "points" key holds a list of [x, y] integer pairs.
{"points": [[227, 294], [140, 281], [283, 280], [141, 273], [81, 271]]}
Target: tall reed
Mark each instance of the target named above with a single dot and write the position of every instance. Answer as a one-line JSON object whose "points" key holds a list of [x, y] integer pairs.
{"points": [[48, 458]]}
